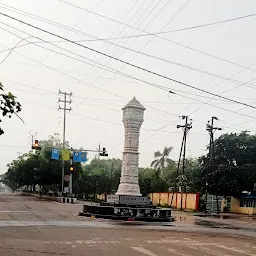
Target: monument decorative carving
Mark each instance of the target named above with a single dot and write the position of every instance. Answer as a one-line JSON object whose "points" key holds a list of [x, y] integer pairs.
{"points": [[133, 114]]}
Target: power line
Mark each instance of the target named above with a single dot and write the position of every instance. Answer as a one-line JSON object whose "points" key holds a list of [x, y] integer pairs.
{"points": [[145, 34], [229, 110], [148, 55], [108, 49], [154, 7], [193, 27], [116, 94], [163, 38], [225, 92], [127, 63], [124, 24], [144, 54]]}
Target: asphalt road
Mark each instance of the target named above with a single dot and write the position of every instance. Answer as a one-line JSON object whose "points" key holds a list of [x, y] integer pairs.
{"points": [[32, 227]]}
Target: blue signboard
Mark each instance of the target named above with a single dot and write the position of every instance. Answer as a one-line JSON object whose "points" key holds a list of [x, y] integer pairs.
{"points": [[55, 153]]}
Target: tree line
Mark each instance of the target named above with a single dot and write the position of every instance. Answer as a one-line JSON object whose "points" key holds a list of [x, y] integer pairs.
{"points": [[233, 171]]}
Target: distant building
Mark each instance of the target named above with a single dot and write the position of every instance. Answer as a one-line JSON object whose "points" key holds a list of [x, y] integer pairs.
{"points": [[245, 204]]}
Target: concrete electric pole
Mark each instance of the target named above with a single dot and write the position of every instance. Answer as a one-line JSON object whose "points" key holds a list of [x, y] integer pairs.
{"points": [[186, 128], [64, 101], [211, 129]]}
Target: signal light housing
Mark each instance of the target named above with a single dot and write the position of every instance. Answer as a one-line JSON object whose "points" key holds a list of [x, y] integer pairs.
{"points": [[36, 145]]}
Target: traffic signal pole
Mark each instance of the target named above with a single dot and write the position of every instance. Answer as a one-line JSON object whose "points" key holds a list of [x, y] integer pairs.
{"points": [[71, 176], [65, 101]]}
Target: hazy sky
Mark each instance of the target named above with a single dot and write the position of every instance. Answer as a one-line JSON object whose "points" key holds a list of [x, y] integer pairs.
{"points": [[217, 58]]}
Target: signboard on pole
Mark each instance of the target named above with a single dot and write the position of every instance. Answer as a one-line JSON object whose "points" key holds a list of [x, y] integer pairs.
{"points": [[55, 153], [84, 157], [79, 156], [65, 154]]}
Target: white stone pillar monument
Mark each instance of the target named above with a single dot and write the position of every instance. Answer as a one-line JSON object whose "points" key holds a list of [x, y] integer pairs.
{"points": [[133, 114]]}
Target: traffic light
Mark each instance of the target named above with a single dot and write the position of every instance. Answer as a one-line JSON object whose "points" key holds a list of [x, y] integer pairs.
{"points": [[36, 145], [104, 152], [71, 168]]}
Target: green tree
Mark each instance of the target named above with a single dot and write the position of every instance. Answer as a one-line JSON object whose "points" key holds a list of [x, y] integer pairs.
{"points": [[98, 177], [162, 160], [151, 182], [234, 169], [38, 168], [8, 105]]}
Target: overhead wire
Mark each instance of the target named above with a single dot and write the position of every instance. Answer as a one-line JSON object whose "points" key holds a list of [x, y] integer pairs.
{"points": [[250, 85], [155, 131], [148, 24], [101, 66], [125, 62], [21, 12], [116, 30], [253, 86], [163, 38], [161, 59], [74, 26], [108, 91], [228, 90], [131, 18]]}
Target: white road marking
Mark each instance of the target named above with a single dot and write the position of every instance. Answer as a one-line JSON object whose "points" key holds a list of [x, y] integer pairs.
{"points": [[144, 251], [233, 249], [16, 211], [172, 241], [174, 252], [88, 242], [207, 250]]}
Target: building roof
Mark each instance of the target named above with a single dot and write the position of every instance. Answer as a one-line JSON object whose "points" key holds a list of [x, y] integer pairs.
{"points": [[134, 103]]}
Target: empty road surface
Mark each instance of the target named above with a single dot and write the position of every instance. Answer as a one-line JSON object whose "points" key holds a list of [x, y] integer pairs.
{"points": [[29, 226]]}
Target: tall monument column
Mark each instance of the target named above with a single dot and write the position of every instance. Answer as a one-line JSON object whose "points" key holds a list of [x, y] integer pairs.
{"points": [[133, 114]]}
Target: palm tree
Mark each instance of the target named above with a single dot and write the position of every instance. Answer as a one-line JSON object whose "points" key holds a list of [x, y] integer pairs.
{"points": [[161, 160]]}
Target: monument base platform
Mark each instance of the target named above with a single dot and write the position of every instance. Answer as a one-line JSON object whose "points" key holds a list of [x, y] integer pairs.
{"points": [[128, 208]]}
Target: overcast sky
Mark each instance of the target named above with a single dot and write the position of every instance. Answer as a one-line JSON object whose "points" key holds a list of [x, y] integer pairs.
{"points": [[218, 58]]}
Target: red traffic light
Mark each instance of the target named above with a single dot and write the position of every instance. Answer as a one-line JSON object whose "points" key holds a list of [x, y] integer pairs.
{"points": [[36, 145]]}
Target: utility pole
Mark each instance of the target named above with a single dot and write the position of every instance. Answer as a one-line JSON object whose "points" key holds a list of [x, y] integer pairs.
{"points": [[211, 129], [32, 138], [186, 128], [65, 109], [98, 149]]}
